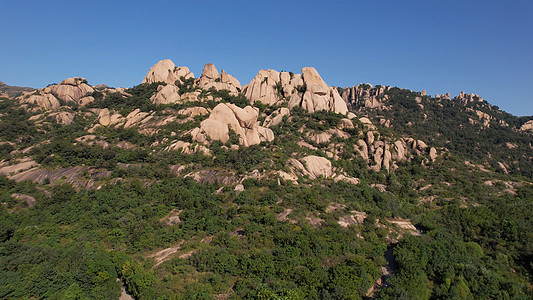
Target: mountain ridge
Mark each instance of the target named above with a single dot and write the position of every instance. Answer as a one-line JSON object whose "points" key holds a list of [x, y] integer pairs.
{"points": [[284, 187]]}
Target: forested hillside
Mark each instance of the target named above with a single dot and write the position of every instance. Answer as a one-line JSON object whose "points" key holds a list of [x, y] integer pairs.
{"points": [[200, 188]]}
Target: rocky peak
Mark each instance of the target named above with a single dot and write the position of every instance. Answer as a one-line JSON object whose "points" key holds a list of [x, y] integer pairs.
{"points": [[210, 72], [166, 71], [212, 79], [465, 98], [365, 95], [307, 90]]}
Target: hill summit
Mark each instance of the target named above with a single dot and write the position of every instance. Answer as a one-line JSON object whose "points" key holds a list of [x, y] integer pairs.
{"points": [[285, 187]]}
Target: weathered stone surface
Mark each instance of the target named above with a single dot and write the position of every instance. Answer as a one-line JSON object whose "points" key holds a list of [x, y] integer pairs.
{"points": [[193, 111], [363, 149], [134, 117], [317, 166], [465, 98], [528, 126], [63, 117], [387, 156], [43, 101], [318, 96], [188, 148], [271, 88], [400, 150], [166, 95], [433, 153], [262, 88], [243, 121], [346, 123], [370, 138], [212, 79], [29, 200], [364, 95], [276, 117], [349, 180], [71, 89], [319, 138], [166, 71]]}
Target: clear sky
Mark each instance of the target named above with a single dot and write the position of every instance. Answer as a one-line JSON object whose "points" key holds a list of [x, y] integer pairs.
{"points": [[483, 47]]}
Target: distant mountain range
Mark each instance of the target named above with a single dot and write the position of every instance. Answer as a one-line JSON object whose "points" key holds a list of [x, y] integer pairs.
{"points": [[13, 91]]}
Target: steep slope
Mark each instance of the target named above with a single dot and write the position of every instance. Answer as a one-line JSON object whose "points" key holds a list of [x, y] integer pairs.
{"points": [[466, 125]]}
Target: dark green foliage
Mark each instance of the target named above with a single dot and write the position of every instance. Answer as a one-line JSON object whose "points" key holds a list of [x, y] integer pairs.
{"points": [[445, 123], [185, 85], [225, 95], [14, 125], [140, 98]]}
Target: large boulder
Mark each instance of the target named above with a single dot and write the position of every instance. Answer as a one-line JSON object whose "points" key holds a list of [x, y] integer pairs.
{"points": [[319, 96], [276, 117], [226, 117], [166, 71], [42, 101], [528, 126], [317, 166], [166, 94], [71, 89], [263, 88]]}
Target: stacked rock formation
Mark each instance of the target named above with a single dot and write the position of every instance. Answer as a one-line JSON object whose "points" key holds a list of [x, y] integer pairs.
{"points": [[73, 89], [465, 98], [212, 79], [307, 90], [166, 71], [226, 117], [365, 95]]}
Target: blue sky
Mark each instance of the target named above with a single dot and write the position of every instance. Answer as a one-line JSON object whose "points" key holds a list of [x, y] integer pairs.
{"points": [[483, 47]]}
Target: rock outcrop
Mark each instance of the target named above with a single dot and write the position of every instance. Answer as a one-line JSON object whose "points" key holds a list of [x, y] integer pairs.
{"points": [[71, 89], [166, 71], [226, 117], [276, 117], [212, 79], [528, 126], [319, 96], [270, 87], [465, 98], [307, 90], [365, 95], [317, 166], [167, 94], [40, 101]]}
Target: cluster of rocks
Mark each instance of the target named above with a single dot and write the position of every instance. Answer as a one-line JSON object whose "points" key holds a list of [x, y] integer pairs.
{"points": [[482, 117], [443, 96], [166, 71], [226, 117], [465, 98], [383, 154], [528, 126], [71, 90], [365, 95], [314, 167], [212, 79], [306, 90]]}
